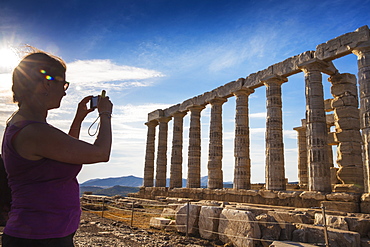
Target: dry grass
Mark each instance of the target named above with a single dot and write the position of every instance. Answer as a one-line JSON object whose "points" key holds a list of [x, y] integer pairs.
{"points": [[139, 218]]}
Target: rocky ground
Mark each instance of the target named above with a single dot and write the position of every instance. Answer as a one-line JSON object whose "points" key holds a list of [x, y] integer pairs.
{"points": [[96, 231]]}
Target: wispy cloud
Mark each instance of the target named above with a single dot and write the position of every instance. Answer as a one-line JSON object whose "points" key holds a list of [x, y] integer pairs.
{"points": [[96, 70], [91, 72]]}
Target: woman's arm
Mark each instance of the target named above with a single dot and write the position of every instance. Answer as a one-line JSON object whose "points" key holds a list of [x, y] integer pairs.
{"points": [[81, 113], [37, 141]]}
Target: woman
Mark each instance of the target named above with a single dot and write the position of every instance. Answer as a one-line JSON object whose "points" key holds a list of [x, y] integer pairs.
{"points": [[42, 162]]}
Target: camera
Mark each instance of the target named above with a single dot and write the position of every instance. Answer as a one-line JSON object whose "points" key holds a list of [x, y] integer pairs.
{"points": [[95, 100]]}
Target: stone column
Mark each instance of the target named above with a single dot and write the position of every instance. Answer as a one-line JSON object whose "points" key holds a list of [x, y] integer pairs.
{"points": [[317, 135], [194, 153], [161, 171], [347, 129], [176, 156], [149, 155], [363, 62], [275, 171], [302, 155], [242, 170], [215, 176]]}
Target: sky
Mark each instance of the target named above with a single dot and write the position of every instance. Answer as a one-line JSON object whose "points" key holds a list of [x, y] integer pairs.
{"points": [[152, 54]]}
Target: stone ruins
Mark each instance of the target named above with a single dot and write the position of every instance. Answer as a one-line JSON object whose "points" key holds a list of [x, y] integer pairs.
{"points": [[344, 188]]}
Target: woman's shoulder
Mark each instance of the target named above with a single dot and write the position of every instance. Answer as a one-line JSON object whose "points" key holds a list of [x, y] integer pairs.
{"points": [[23, 123]]}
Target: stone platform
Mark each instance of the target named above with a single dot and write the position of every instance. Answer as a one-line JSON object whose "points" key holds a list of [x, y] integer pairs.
{"points": [[337, 201]]}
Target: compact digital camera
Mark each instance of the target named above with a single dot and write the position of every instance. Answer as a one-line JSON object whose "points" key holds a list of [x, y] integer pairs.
{"points": [[95, 100]]}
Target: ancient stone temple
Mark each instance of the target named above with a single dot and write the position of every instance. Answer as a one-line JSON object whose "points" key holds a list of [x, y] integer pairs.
{"points": [[348, 111]]}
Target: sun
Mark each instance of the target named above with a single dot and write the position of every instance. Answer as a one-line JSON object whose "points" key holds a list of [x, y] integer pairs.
{"points": [[8, 59]]}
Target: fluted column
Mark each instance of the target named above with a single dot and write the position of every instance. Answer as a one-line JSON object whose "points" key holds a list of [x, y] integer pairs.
{"points": [[149, 154], [242, 170], [347, 126], [194, 151], [275, 171], [176, 155], [317, 135], [302, 155], [161, 171], [215, 176], [363, 62]]}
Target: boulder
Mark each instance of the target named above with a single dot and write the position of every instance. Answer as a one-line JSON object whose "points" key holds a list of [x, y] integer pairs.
{"points": [[159, 223], [287, 219], [352, 207], [290, 244], [270, 229], [360, 225], [208, 222], [332, 221], [239, 227], [169, 213], [182, 221], [315, 235], [315, 195]]}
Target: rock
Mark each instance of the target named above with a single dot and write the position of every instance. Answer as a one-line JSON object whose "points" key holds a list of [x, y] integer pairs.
{"points": [[269, 194], [168, 213], [290, 244], [365, 242], [351, 207], [269, 231], [255, 210], [171, 226], [332, 221], [315, 235], [288, 194], [159, 223], [181, 218], [343, 197], [286, 220], [360, 225], [208, 222], [238, 227], [316, 195]]}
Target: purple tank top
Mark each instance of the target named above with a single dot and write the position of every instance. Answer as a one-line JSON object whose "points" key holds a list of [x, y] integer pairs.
{"points": [[45, 193]]}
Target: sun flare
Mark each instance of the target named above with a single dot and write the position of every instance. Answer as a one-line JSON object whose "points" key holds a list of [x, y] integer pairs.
{"points": [[8, 58]]}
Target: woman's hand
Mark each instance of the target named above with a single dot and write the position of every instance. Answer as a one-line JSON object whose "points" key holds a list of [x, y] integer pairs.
{"points": [[81, 113], [105, 106], [82, 109]]}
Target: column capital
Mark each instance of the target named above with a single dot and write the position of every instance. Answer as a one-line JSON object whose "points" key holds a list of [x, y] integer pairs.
{"points": [[195, 108], [244, 91], [179, 114], [274, 79], [152, 123], [164, 119], [300, 128], [217, 101], [317, 64], [363, 48]]}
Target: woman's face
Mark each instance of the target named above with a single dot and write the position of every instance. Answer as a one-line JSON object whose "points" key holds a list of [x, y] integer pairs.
{"points": [[58, 87]]}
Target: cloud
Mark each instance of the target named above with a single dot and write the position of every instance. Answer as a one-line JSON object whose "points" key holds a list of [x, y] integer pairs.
{"points": [[91, 72], [258, 115]]}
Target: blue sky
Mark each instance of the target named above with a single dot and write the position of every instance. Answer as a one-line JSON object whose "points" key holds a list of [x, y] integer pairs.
{"points": [[157, 53]]}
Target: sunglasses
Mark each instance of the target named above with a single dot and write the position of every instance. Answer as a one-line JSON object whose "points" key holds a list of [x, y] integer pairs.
{"points": [[57, 78]]}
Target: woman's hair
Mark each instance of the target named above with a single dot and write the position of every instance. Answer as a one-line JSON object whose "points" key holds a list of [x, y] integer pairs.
{"points": [[27, 73]]}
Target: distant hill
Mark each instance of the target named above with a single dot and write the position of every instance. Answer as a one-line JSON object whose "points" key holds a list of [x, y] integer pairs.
{"points": [[112, 191], [132, 181]]}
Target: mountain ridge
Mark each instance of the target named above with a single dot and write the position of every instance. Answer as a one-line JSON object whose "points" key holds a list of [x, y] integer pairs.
{"points": [[133, 181]]}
